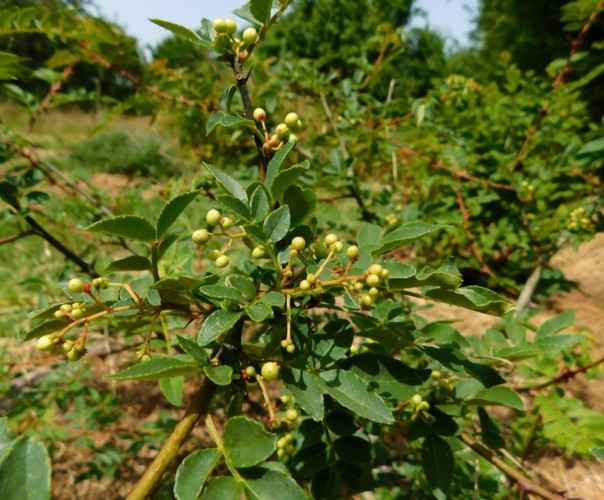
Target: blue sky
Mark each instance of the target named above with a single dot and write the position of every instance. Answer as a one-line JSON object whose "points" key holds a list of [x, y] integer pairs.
{"points": [[452, 18]]}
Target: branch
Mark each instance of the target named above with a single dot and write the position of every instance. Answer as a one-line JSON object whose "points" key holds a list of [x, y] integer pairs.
{"points": [[525, 484], [15, 237], [54, 88], [564, 375]]}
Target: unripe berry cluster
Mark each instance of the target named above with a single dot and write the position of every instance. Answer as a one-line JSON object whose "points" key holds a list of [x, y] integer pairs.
{"points": [[201, 236], [283, 131], [285, 447], [580, 221]]}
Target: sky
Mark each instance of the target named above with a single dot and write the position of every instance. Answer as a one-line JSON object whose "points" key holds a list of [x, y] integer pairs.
{"points": [[452, 18]]}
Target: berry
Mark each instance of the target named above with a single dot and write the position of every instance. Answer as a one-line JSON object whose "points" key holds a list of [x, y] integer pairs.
{"points": [[100, 282], [219, 25], [291, 348], [293, 138], [321, 251], [275, 424], [384, 274], [250, 36], [270, 371], [243, 56], [352, 251], [226, 223], [77, 313], [373, 291], [65, 308], [59, 314], [436, 374], [75, 285], [282, 442], [311, 278], [258, 252], [222, 261], [354, 349], [291, 120], [358, 286], [282, 130], [376, 269], [46, 343], [76, 353], [373, 279], [367, 300], [293, 253], [330, 239], [231, 26], [416, 400], [214, 254], [305, 285], [298, 243], [337, 247], [424, 405], [201, 236], [250, 371], [259, 115], [145, 358], [213, 217], [291, 415], [67, 346]]}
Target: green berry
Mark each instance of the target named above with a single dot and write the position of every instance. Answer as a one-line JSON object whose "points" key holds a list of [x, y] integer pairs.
{"points": [[337, 247], [291, 348], [145, 358], [76, 353], [59, 314], [259, 115], [222, 261], [305, 285], [291, 415], [282, 131], [330, 239], [201, 236], [311, 278], [47, 342], [358, 286], [231, 26], [321, 251], [298, 243], [293, 253], [226, 223], [436, 374], [219, 25], [282, 443], [373, 291], [213, 217], [354, 349], [67, 346], [250, 36], [424, 405], [258, 252], [250, 371], [65, 308], [352, 251], [275, 424], [214, 254], [75, 285], [292, 138], [100, 282], [77, 313], [291, 120], [376, 269], [416, 400], [384, 274], [367, 300], [373, 279], [270, 371]]}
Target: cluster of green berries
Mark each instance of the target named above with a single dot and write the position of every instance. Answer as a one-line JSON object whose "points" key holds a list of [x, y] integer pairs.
{"points": [[391, 219], [202, 236], [71, 311], [228, 27], [418, 403], [285, 447], [579, 221], [284, 131], [52, 343], [374, 276]]}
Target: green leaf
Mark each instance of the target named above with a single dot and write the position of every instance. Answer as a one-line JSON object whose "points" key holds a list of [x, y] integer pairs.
{"points": [[555, 324], [226, 120], [51, 326], [353, 392], [369, 237], [193, 472], [260, 312], [234, 205], [302, 204], [286, 178], [172, 389], [223, 488], [156, 368], [352, 449], [490, 433], [6, 440], [263, 484], [247, 442], [178, 30], [277, 224], [331, 343], [242, 284], [592, 148], [259, 204], [216, 324], [276, 161], [274, 299], [499, 395], [472, 297], [194, 350], [306, 389], [261, 9], [220, 375], [131, 227], [404, 235], [171, 211], [25, 473], [229, 184], [438, 464], [389, 377], [222, 292], [130, 263], [597, 452]]}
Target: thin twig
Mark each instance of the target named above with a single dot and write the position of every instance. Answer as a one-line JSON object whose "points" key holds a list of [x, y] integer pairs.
{"points": [[15, 237], [54, 88], [564, 375]]}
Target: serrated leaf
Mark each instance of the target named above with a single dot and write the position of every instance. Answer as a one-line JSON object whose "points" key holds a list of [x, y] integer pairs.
{"points": [[220, 375], [177, 29], [472, 297], [156, 368], [242, 284], [223, 488], [263, 484], [171, 211], [226, 120], [193, 472], [276, 161], [6, 440], [369, 237], [553, 325], [275, 299], [286, 178], [234, 205], [51, 326], [247, 442], [597, 452], [331, 343], [229, 184], [302, 204], [261, 9], [172, 389], [25, 472], [438, 464], [194, 350], [222, 292], [277, 224], [130, 263], [352, 449], [499, 395], [354, 393], [216, 324], [260, 312], [259, 204], [306, 390], [404, 235], [131, 227]]}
